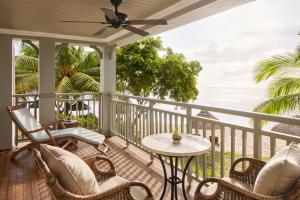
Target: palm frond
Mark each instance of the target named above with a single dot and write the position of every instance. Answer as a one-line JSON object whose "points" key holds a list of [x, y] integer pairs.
{"points": [[92, 71], [284, 86], [84, 82], [65, 86], [90, 61], [279, 65], [28, 50], [65, 57], [20, 72], [27, 83], [27, 63], [280, 104]]}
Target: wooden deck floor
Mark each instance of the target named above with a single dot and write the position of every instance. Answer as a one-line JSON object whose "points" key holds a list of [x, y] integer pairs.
{"points": [[22, 180]]}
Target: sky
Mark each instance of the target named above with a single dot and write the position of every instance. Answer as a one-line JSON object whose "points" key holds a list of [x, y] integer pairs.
{"points": [[229, 44]]}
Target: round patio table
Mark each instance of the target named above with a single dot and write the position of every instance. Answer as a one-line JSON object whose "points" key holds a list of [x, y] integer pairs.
{"points": [[163, 145]]}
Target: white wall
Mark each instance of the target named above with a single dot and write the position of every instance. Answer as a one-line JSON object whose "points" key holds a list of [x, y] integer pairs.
{"points": [[6, 80]]}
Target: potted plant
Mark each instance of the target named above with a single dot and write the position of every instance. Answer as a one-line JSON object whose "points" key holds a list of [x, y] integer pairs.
{"points": [[176, 135]]}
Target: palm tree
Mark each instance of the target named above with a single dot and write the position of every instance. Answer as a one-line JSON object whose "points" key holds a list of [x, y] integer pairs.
{"points": [[284, 90], [76, 70]]}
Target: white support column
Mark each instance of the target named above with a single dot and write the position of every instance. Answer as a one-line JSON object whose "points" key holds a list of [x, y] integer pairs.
{"points": [[6, 85], [47, 80], [107, 85]]}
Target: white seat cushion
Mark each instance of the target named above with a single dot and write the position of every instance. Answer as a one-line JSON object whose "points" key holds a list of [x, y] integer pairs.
{"points": [[136, 192], [280, 174], [73, 174], [25, 119], [211, 189], [27, 122], [82, 134]]}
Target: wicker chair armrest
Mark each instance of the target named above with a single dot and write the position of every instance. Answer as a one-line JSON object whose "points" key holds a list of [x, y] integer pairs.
{"points": [[122, 190], [225, 188], [145, 187], [250, 173], [100, 173]]}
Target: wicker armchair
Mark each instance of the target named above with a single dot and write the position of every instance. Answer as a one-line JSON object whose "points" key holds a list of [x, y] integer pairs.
{"points": [[117, 189], [239, 185]]}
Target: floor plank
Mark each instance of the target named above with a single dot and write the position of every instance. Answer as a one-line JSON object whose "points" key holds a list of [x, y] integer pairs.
{"points": [[21, 179]]}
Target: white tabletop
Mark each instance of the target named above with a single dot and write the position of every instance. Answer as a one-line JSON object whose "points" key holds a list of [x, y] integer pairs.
{"points": [[190, 145]]}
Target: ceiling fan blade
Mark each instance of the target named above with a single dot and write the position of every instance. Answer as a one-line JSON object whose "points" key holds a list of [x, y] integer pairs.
{"points": [[147, 22], [110, 14], [101, 31], [87, 22], [136, 30]]}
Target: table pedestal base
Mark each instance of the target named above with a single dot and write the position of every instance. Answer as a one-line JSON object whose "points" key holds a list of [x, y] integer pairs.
{"points": [[174, 180]]}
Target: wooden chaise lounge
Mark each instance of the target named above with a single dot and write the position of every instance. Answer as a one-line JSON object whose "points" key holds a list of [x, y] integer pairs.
{"points": [[38, 134]]}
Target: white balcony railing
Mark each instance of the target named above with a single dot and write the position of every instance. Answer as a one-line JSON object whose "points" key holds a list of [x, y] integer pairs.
{"points": [[133, 118], [133, 121]]}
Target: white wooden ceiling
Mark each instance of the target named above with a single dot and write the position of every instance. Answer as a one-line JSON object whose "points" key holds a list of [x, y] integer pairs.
{"points": [[45, 15], [41, 18]]}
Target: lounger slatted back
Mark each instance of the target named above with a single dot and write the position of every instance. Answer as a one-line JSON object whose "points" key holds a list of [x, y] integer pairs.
{"points": [[41, 133]]}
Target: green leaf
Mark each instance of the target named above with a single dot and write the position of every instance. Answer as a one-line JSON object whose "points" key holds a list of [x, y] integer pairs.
{"points": [[277, 66], [27, 63], [280, 104], [284, 86], [84, 82], [65, 86], [27, 83]]}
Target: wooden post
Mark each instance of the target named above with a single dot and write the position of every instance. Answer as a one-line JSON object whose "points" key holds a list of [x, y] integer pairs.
{"points": [[257, 153], [151, 104]]}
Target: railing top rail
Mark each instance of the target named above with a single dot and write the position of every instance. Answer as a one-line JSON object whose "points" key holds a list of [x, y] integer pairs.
{"points": [[25, 95], [83, 93], [58, 94], [253, 115]]}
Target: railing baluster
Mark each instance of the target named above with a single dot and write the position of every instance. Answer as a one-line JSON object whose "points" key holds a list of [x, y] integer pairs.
{"points": [[222, 151], [94, 113], [213, 139], [144, 124], [88, 114], [182, 124], [196, 127], [170, 123], [82, 113], [244, 148], [160, 122], [204, 156], [165, 123], [156, 122], [176, 122], [232, 136], [136, 124]]}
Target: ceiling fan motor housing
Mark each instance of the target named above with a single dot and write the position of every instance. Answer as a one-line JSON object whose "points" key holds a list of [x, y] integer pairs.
{"points": [[116, 2]]}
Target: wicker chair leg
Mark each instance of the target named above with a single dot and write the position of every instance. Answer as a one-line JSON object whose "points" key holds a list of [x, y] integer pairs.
{"points": [[98, 148]]}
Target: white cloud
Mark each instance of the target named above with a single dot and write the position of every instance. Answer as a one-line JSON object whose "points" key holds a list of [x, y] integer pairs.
{"points": [[229, 44]]}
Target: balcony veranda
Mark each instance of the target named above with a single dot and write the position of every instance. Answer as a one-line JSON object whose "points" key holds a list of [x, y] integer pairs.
{"points": [[130, 121]]}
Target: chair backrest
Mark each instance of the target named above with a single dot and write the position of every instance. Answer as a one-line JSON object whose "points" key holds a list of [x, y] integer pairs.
{"points": [[23, 118], [55, 188]]}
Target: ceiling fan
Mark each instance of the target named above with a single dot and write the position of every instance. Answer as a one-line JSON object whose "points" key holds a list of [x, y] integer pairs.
{"points": [[116, 19]]}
